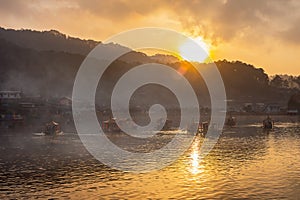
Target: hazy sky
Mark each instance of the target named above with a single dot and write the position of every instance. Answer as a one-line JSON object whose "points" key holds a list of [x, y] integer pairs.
{"points": [[265, 33]]}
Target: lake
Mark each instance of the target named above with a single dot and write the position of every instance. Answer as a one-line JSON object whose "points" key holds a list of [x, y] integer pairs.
{"points": [[246, 163]]}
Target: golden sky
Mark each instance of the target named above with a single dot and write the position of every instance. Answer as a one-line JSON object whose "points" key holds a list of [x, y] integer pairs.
{"points": [[265, 33]]}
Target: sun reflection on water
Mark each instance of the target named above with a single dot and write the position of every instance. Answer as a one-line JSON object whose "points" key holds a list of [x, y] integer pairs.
{"points": [[195, 158]]}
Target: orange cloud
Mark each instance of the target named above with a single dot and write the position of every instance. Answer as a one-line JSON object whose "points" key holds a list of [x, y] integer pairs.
{"points": [[264, 33]]}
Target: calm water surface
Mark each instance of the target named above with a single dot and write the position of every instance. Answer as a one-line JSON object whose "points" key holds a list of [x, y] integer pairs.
{"points": [[246, 163]]}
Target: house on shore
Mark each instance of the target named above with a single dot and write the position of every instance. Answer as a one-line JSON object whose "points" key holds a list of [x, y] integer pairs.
{"points": [[273, 108], [10, 95]]}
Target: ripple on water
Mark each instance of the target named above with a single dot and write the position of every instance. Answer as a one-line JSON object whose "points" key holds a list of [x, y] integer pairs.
{"points": [[243, 164]]}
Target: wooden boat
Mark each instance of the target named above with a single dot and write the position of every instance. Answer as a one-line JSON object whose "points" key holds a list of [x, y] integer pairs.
{"points": [[231, 121], [52, 128], [201, 128], [111, 125], [268, 123]]}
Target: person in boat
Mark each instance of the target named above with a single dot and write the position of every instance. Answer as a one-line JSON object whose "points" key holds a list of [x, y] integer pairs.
{"points": [[110, 125], [52, 128], [204, 128], [268, 123], [230, 121]]}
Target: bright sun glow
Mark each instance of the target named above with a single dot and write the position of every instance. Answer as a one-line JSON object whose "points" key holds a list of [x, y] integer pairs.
{"points": [[195, 50]]}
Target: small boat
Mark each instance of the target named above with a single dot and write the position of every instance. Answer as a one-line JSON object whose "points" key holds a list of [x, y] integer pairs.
{"points": [[111, 126], [231, 121], [201, 128], [52, 128], [268, 123]]}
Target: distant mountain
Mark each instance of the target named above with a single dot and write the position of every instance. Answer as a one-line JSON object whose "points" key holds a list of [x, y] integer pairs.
{"points": [[39, 72], [161, 58], [47, 41], [46, 63], [55, 41]]}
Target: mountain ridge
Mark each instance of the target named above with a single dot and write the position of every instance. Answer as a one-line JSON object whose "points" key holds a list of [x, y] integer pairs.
{"points": [[51, 70]]}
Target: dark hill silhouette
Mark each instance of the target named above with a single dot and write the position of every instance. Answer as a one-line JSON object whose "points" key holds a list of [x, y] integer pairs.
{"points": [[39, 72], [164, 58], [245, 82], [294, 102], [46, 63], [47, 40]]}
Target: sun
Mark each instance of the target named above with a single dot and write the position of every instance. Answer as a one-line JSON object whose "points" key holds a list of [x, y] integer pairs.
{"points": [[194, 50]]}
